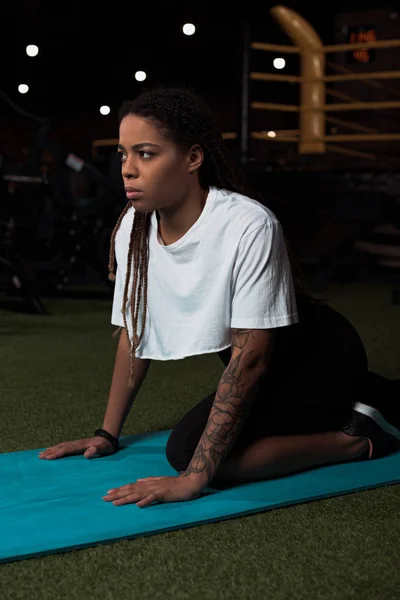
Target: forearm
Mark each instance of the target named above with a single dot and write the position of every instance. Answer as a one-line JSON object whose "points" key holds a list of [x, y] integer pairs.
{"points": [[121, 396], [235, 395]]}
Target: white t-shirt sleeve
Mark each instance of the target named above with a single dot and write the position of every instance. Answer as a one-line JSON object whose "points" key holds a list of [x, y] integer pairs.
{"points": [[263, 294]]}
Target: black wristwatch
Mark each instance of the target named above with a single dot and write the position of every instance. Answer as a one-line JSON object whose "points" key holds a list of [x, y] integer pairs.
{"points": [[103, 433]]}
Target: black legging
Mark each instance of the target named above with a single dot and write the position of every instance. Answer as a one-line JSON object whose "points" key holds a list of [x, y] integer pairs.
{"points": [[318, 369]]}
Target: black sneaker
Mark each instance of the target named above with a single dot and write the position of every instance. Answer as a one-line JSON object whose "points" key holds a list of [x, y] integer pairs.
{"points": [[368, 422]]}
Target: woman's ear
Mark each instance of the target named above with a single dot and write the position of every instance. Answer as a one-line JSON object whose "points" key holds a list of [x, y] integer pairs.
{"points": [[195, 157]]}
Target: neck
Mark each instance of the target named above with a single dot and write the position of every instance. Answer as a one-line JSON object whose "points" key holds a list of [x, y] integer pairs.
{"points": [[175, 221]]}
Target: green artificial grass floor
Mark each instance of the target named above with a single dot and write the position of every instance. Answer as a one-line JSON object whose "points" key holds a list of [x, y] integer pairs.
{"points": [[55, 376]]}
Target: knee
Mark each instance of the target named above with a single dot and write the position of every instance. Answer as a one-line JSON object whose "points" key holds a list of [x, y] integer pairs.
{"points": [[175, 451], [186, 434]]}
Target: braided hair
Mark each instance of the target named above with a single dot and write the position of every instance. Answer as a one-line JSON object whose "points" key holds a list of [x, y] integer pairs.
{"points": [[184, 118]]}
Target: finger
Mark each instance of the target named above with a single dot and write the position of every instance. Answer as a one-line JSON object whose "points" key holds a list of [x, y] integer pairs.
{"points": [[132, 490], [129, 487], [124, 498], [133, 498], [90, 452], [147, 501], [46, 452], [118, 493], [123, 488], [52, 455]]}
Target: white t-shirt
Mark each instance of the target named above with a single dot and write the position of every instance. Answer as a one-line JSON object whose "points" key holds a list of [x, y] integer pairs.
{"points": [[229, 270]]}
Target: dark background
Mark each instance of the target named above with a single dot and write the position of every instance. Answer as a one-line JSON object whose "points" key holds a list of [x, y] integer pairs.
{"points": [[55, 234], [88, 56]]}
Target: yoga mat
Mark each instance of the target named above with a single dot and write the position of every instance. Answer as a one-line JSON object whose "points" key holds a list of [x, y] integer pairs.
{"points": [[52, 506]]}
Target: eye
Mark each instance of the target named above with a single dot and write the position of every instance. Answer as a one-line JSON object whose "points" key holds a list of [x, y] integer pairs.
{"points": [[122, 156], [145, 155]]}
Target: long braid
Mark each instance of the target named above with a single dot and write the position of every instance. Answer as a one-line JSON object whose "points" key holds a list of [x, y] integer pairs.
{"points": [[140, 259], [137, 247], [182, 117], [131, 254], [111, 255]]}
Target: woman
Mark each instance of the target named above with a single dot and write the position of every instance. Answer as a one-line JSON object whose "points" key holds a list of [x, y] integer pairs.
{"points": [[203, 267]]}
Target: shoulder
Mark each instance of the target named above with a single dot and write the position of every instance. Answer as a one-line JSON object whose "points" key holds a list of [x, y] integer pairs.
{"points": [[242, 214]]}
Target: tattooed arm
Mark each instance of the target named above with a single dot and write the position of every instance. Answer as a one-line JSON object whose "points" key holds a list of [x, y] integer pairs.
{"points": [[251, 351]]}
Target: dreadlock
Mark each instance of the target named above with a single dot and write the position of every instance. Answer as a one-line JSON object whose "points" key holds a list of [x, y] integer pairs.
{"points": [[184, 118]]}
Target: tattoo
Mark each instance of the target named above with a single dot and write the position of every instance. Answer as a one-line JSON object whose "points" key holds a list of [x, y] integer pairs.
{"points": [[228, 414], [240, 338]]}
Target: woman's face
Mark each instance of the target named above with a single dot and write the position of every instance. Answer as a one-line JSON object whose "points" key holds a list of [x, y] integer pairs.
{"points": [[156, 173]]}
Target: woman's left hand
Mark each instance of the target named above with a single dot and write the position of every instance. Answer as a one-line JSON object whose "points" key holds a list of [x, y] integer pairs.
{"points": [[155, 489]]}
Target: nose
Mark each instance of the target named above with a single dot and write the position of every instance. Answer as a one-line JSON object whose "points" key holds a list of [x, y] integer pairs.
{"points": [[129, 169]]}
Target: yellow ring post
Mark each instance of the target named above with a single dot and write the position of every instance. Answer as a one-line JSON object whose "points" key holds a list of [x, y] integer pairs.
{"points": [[312, 94]]}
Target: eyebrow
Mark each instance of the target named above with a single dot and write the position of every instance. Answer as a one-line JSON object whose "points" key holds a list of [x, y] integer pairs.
{"points": [[139, 146]]}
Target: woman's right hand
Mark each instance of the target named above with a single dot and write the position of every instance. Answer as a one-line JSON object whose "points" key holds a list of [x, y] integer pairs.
{"points": [[88, 447]]}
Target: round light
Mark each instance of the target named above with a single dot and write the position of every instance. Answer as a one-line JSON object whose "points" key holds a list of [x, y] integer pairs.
{"points": [[32, 50], [140, 75], [23, 88], [188, 29], [105, 110], [271, 134], [279, 63]]}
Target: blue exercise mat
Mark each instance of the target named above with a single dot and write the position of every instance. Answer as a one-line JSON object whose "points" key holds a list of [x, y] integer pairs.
{"points": [[50, 506]]}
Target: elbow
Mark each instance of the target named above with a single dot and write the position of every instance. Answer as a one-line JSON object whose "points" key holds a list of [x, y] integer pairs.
{"points": [[256, 368]]}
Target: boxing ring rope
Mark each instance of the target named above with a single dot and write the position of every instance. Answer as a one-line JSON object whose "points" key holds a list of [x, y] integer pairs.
{"points": [[313, 109]]}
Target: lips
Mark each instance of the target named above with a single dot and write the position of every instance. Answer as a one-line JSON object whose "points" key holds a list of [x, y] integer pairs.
{"points": [[133, 193]]}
